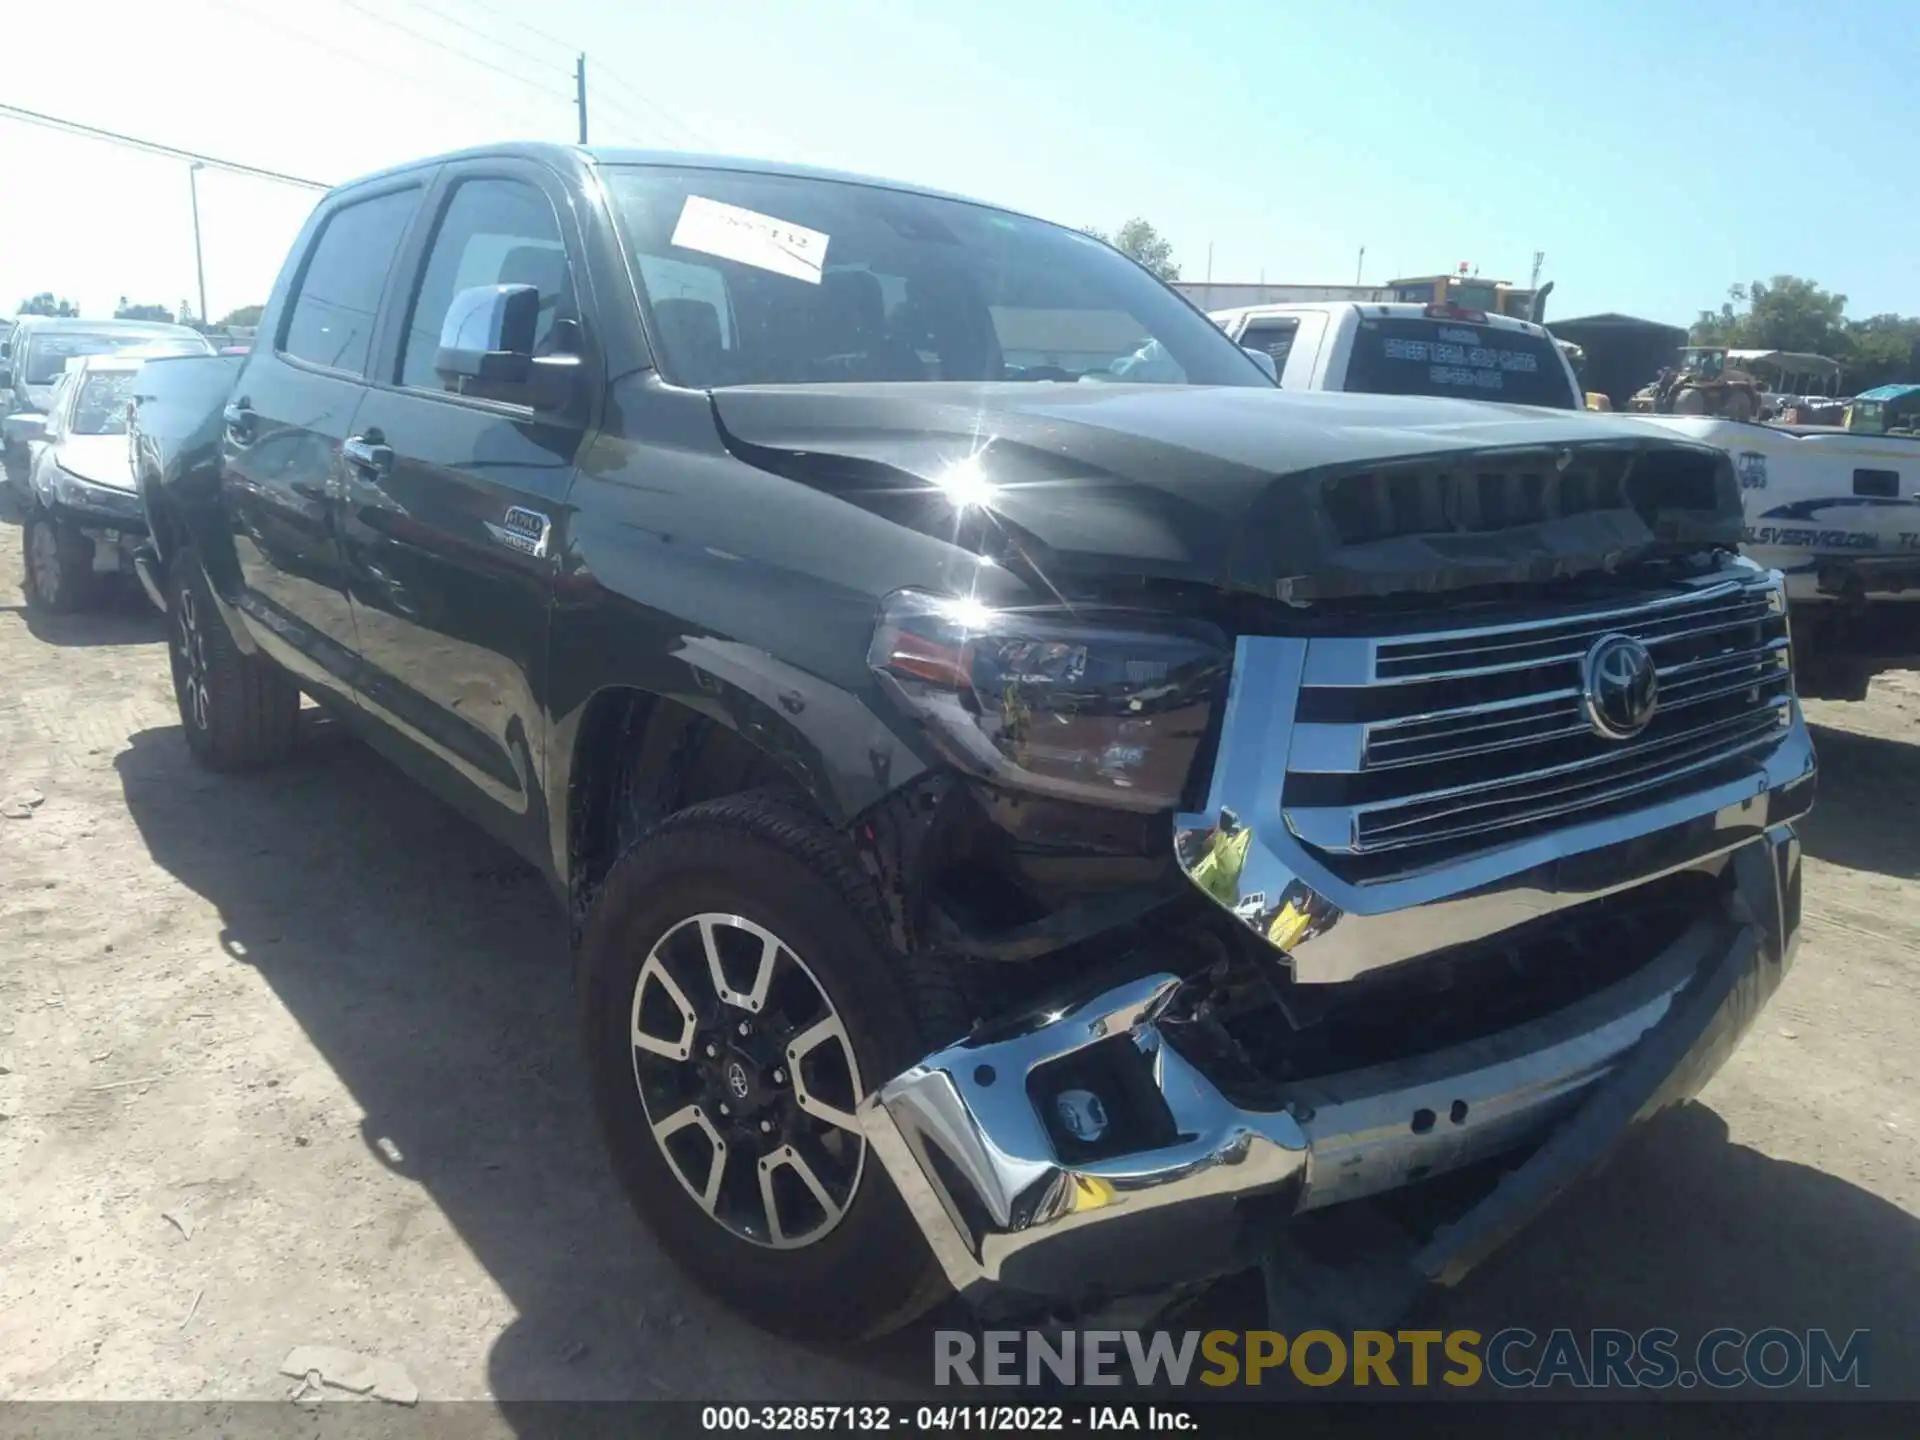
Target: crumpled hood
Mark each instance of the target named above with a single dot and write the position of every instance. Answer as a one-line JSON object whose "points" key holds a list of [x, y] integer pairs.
{"points": [[1227, 486], [103, 459]]}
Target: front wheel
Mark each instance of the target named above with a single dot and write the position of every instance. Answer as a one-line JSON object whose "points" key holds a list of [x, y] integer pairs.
{"points": [[741, 1000], [59, 563], [240, 712]]}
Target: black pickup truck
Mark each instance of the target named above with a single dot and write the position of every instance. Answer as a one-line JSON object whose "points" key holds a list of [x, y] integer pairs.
{"points": [[1044, 813]]}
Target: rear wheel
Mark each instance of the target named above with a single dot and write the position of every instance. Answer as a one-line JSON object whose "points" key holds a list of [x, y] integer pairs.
{"points": [[240, 712], [59, 563], [741, 1000]]}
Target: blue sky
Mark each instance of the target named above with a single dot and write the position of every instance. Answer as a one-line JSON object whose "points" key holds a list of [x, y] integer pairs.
{"points": [[1655, 152]]}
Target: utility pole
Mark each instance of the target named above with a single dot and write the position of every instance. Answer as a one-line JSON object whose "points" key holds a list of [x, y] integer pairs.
{"points": [[1539, 259], [1360, 265], [1209, 262], [199, 264], [580, 92]]}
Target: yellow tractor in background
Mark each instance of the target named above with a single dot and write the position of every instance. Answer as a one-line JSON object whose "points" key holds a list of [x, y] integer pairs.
{"points": [[1702, 384]]}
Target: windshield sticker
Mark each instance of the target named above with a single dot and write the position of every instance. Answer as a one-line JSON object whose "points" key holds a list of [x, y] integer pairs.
{"points": [[1457, 357], [715, 228]]}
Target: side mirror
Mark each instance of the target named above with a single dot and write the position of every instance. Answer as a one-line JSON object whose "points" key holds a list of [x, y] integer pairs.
{"points": [[488, 335], [25, 428], [486, 349], [1265, 361]]}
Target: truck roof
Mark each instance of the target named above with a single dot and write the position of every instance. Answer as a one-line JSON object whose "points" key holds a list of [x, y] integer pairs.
{"points": [[576, 157], [1385, 310]]}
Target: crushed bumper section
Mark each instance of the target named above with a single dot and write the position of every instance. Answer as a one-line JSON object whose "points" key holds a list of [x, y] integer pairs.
{"points": [[1028, 1189]]}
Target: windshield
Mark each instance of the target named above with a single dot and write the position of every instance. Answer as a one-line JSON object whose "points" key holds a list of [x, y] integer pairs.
{"points": [[47, 355], [101, 406], [1438, 357], [780, 280]]}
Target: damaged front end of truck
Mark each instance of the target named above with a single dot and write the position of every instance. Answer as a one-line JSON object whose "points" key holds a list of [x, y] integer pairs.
{"points": [[1390, 890]]}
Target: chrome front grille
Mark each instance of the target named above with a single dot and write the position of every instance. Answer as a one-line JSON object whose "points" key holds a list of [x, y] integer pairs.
{"points": [[1418, 748]]}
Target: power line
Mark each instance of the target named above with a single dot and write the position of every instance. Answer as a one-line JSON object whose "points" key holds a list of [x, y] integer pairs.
{"points": [[471, 59], [607, 102], [625, 87], [410, 77], [606, 76], [154, 147], [498, 14]]}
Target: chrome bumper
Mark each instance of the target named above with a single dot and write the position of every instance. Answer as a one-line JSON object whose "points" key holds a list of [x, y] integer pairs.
{"points": [[972, 1139]]}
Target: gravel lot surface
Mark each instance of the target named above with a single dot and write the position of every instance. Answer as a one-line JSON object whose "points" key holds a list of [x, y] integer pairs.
{"points": [[289, 1060]]}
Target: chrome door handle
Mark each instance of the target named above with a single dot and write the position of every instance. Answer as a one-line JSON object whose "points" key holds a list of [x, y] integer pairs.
{"points": [[239, 419], [368, 452]]}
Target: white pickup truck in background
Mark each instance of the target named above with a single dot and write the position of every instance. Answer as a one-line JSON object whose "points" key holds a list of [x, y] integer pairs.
{"points": [[1837, 510], [1403, 349]]}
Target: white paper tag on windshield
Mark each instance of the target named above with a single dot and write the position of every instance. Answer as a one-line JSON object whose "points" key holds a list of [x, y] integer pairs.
{"points": [[715, 228]]}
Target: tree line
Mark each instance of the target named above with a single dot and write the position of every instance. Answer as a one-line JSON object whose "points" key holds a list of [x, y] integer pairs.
{"points": [[1789, 312], [46, 303], [1139, 241]]}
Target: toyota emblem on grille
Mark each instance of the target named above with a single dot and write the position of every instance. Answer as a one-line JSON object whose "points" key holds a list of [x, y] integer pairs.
{"points": [[1619, 687]]}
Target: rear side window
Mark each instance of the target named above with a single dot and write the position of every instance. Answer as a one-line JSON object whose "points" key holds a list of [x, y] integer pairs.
{"points": [[1441, 357], [1275, 337], [330, 322], [494, 232]]}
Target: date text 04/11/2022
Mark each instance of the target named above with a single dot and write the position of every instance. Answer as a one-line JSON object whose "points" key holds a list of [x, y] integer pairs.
{"points": [[943, 1419]]}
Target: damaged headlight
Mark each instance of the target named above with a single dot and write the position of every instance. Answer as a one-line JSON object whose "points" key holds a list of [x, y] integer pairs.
{"points": [[71, 489], [1109, 708]]}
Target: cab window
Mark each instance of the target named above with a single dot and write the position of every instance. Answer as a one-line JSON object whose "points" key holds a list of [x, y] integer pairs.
{"points": [[1275, 336], [1422, 356], [330, 322], [492, 232]]}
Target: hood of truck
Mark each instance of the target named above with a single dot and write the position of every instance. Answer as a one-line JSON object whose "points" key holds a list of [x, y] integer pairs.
{"points": [[1224, 486], [103, 459]]}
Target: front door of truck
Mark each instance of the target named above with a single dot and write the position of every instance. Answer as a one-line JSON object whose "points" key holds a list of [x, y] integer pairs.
{"points": [[290, 412], [453, 515]]}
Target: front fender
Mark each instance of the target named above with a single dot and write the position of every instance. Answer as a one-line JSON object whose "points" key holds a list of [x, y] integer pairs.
{"points": [[38, 486], [831, 742]]}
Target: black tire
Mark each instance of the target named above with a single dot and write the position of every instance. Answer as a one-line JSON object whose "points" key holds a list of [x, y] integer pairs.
{"points": [[246, 712], [58, 564], [755, 857]]}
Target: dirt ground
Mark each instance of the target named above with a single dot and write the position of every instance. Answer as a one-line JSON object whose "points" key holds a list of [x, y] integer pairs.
{"points": [[290, 1060]]}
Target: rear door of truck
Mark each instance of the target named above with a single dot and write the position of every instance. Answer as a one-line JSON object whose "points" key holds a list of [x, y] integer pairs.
{"points": [[292, 409]]}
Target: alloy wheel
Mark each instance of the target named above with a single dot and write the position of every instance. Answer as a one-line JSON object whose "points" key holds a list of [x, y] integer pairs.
{"points": [[190, 661], [748, 1080]]}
